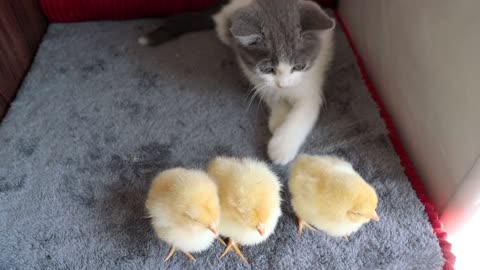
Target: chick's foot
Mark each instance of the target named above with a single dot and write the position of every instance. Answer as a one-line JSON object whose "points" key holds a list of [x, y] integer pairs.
{"points": [[232, 245]]}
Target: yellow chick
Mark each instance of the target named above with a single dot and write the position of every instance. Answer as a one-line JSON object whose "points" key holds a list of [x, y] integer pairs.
{"points": [[250, 201], [185, 211], [329, 195]]}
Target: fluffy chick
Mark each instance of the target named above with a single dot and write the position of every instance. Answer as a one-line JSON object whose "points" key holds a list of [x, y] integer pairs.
{"points": [[328, 194], [250, 201], [184, 208]]}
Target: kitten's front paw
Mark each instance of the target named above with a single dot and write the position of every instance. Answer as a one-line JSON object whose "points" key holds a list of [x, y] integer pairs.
{"points": [[279, 112], [281, 150], [274, 121]]}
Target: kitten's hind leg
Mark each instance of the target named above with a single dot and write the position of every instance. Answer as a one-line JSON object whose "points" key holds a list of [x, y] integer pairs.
{"points": [[175, 26]]}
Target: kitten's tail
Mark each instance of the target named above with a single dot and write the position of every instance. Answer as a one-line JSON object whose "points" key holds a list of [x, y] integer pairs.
{"points": [[143, 40], [160, 35], [177, 25]]}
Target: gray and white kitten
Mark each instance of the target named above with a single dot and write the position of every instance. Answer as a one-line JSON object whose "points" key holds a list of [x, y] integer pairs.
{"points": [[284, 48]]}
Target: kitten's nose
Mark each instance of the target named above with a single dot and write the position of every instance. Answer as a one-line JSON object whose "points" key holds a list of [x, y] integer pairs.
{"points": [[280, 84]]}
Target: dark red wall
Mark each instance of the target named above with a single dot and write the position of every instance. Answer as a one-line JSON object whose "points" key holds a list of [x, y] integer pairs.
{"points": [[84, 10]]}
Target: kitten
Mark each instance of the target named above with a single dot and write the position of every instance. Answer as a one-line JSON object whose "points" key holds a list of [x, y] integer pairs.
{"points": [[284, 48]]}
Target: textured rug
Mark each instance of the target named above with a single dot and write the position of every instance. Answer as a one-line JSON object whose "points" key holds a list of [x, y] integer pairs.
{"points": [[98, 116]]}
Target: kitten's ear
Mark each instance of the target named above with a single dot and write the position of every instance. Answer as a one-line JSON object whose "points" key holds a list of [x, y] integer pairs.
{"points": [[245, 27], [313, 19]]}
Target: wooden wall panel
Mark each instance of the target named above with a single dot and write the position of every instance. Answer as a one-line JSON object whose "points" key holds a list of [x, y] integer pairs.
{"points": [[22, 26], [3, 107]]}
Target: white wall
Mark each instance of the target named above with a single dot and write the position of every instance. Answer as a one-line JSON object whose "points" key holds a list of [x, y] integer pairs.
{"points": [[424, 59]]}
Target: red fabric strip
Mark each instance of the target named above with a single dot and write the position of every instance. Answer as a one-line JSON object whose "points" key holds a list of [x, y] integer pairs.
{"points": [[85, 10]]}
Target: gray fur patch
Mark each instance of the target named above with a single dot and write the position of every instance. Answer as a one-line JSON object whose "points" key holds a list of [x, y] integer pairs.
{"points": [[268, 32]]}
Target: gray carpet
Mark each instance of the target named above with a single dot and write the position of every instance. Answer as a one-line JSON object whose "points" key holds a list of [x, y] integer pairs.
{"points": [[99, 115]]}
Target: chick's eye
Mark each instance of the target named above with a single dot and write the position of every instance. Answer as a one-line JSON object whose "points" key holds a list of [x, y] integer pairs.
{"points": [[298, 67], [190, 218], [196, 221]]}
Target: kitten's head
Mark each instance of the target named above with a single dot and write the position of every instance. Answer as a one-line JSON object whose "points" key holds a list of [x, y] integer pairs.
{"points": [[278, 40]]}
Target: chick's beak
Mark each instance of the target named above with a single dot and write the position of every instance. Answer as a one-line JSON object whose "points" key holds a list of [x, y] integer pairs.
{"points": [[213, 228], [375, 217], [261, 229]]}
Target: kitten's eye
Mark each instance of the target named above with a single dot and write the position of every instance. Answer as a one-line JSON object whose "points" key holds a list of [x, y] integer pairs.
{"points": [[253, 43], [298, 67], [268, 70], [257, 42]]}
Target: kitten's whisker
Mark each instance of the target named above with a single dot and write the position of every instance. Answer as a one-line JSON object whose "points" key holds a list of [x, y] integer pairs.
{"points": [[247, 97], [261, 96], [249, 92], [252, 90], [252, 98], [262, 93], [257, 89]]}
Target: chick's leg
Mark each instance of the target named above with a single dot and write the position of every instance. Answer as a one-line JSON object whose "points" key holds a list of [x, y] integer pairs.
{"points": [[219, 239], [190, 256], [172, 252], [239, 253], [302, 224], [232, 245]]}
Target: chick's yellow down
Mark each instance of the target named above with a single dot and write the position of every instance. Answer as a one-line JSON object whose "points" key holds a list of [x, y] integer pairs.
{"points": [[329, 195], [250, 201], [184, 209]]}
